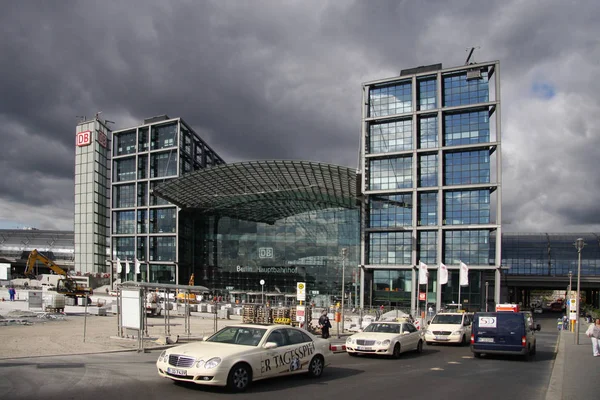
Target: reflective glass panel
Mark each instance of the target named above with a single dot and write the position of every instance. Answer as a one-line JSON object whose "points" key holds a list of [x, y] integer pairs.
{"points": [[458, 90], [427, 170], [390, 136], [428, 132], [390, 248], [388, 211], [467, 167], [390, 173], [467, 207], [164, 136], [466, 128], [427, 93], [469, 246], [390, 99], [427, 208]]}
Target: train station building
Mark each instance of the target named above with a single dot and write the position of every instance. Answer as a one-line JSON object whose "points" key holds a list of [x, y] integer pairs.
{"points": [[155, 203]]}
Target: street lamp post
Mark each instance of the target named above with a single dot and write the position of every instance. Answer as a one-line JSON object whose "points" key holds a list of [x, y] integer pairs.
{"points": [[344, 253], [579, 243], [569, 300]]}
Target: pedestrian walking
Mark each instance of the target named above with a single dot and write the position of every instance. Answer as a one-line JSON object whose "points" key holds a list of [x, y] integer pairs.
{"points": [[593, 332], [11, 293], [324, 324]]}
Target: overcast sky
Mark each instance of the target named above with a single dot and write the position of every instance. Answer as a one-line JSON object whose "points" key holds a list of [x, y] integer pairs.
{"points": [[282, 80]]}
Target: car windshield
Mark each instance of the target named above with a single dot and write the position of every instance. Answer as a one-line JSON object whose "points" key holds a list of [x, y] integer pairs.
{"points": [[447, 319], [383, 328], [238, 335]]}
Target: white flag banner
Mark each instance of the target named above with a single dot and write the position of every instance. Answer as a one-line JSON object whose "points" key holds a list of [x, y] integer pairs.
{"points": [[464, 274], [443, 274], [127, 269], [119, 266], [422, 273], [137, 266]]}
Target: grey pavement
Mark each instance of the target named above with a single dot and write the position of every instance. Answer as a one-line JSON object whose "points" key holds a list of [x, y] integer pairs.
{"points": [[575, 371]]}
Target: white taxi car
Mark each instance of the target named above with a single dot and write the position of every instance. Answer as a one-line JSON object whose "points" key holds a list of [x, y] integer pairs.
{"points": [[449, 327], [385, 338], [239, 354]]}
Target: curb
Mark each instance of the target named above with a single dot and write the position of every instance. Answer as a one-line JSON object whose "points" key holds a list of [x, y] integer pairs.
{"points": [[555, 386]]}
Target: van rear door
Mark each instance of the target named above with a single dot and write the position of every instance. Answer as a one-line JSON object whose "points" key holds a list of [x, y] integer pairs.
{"points": [[511, 329]]}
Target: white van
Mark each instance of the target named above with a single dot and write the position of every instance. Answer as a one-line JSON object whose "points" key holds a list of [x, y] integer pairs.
{"points": [[449, 327]]}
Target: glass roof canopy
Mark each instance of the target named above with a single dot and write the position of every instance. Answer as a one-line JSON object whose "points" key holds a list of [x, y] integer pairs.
{"points": [[263, 191]]}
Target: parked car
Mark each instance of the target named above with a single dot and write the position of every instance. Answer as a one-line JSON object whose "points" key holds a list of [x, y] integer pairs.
{"points": [[237, 355], [386, 338]]}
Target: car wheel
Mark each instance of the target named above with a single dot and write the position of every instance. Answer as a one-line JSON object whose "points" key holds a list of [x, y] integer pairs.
{"points": [[239, 378], [396, 353], [315, 368], [463, 341], [477, 355], [420, 347]]}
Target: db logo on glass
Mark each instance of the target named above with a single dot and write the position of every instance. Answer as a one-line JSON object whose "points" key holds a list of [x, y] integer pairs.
{"points": [[84, 138]]}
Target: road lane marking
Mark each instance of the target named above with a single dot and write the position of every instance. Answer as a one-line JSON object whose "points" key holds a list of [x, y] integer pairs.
{"points": [[467, 356], [437, 369], [453, 362]]}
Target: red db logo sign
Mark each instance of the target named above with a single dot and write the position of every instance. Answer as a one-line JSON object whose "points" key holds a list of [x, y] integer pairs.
{"points": [[84, 138]]}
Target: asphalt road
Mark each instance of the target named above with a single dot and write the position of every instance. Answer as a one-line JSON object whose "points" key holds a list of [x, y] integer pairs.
{"points": [[444, 372]]}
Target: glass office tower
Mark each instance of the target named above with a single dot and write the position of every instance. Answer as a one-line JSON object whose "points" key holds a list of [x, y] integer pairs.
{"points": [[431, 180], [92, 194], [144, 226]]}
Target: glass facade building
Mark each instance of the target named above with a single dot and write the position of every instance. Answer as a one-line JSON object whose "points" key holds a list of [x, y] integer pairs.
{"points": [[431, 184], [144, 226], [231, 256]]}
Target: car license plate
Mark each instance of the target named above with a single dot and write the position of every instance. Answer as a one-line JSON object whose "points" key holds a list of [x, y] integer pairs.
{"points": [[485, 340], [363, 348], [180, 372], [440, 338]]}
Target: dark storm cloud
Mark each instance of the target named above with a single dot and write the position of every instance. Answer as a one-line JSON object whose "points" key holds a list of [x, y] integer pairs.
{"points": [[265, 79]]}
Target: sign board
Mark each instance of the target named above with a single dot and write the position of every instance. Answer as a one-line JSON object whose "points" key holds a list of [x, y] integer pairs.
{"points": [[4, 271], [265, 252], [573, 305], [487, 322], [83, 138], [573, 315], [422, 296], [131, 308], [300, 313], [102, 139], [228, 287], [301, 291]]}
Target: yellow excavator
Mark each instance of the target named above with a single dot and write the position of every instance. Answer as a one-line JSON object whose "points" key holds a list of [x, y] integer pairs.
{"points": [[191, 297], [67, 286]]}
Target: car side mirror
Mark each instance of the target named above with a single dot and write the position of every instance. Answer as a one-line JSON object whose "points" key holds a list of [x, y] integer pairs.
{"points": [[538, 327], [270, 345], [428, 322], [405, 332]]}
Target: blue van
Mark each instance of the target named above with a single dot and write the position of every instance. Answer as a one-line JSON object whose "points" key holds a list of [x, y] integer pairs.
{"points": [[503, 333]]}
